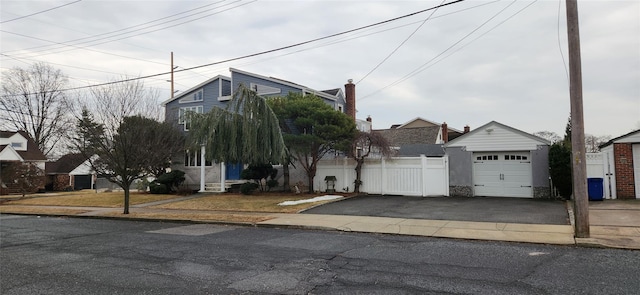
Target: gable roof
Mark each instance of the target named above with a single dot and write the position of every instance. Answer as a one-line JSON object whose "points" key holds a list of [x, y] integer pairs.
{"points": [[288, 83], [65, 164], [488, 128], [405, 136], [633, 136], [33, 152], [418, 119], [415, 150], [7, 153], [194, 88]]}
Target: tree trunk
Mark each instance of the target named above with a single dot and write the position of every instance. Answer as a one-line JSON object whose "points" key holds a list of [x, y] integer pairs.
{"points": [[286, 174], [311, 174], [126, 199], [358, 182]]}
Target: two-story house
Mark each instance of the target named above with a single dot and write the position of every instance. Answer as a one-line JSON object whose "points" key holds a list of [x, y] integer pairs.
{"points": [[17, 148], [216, 92]]}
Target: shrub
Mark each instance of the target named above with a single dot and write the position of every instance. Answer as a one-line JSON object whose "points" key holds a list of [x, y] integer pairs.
{"points": [[258, 172], [172, 180], [560, 169], [158, 188], [248, 187], [271, 183]]}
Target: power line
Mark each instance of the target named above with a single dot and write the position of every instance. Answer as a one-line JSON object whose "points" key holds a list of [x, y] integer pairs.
{"points": [[400, 45], [263, 52], [123, 29], [426, 65], [78, 47], [143, 33], [39, 12]]}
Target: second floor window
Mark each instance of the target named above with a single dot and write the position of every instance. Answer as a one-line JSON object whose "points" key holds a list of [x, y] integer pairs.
{"points": [[198, 95], [182, 115]]}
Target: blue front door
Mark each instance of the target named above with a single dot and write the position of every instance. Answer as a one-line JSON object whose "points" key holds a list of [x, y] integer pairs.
{"points": [[232, 171]]}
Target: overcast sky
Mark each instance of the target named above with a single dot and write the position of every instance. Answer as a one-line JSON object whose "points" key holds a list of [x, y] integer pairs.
{"points": [[469, 63]]}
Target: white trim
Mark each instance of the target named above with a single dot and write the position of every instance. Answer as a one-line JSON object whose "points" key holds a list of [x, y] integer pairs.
{"points": [[10, 154], [201, 85]]}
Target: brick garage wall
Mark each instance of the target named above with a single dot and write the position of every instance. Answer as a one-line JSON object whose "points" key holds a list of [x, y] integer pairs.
{"points": [[61, 182], [625, 181]]}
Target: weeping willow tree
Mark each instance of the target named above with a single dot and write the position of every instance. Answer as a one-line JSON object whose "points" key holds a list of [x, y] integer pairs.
{"points": [[246, 131]]}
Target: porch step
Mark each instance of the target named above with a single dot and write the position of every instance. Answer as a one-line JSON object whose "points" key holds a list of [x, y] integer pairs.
{"points": [[215, 186]]}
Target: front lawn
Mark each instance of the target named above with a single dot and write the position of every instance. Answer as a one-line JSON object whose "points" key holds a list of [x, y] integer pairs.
{"points": [[89, 198], [245, 203]]}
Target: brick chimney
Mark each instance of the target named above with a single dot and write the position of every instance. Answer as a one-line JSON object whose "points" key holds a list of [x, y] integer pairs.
{"points": [[369, 119], [445, 132], [466, 129], [350, 93]]}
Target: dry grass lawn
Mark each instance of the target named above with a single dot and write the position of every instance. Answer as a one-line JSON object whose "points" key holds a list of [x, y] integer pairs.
{"points": [[39, 210], [89, 198], [244, 203]]}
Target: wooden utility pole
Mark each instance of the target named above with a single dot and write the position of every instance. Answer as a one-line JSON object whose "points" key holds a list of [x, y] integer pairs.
{"points": [[172, 74], [579, 166]]}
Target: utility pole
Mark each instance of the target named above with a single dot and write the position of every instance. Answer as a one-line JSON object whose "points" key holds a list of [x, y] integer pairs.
{"points": [[172, 74], [579, 166]]}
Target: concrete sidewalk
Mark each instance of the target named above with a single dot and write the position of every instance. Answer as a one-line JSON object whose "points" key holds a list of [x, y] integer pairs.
{"points": [[623, 233]]}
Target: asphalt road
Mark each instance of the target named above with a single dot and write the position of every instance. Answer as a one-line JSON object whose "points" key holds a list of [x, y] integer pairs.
{"points": [[479, 209], [95, 256]]}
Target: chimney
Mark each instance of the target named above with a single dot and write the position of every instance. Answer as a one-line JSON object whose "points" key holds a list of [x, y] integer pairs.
{"points": [[466, 129], [369, 119], [350, 93], [445, 132]]}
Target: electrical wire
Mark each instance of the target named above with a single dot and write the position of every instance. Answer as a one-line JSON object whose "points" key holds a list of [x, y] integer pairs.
{"points": [[564, 63], [264, 52], [426, 65], [398, 47], [39, 12], [143, 33], [119, 30]]}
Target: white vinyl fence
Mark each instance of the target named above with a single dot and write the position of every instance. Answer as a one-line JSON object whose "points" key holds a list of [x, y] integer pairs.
{"points": [[599, 166], [409, 176]]}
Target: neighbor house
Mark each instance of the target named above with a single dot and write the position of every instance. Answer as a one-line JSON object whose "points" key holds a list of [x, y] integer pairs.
{"points": [[497, 160], [217, 92], [621, 157], [17, 148], [418, 137], [70, 172]]}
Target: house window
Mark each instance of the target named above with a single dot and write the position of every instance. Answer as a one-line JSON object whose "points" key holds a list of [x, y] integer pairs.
{"points": [[182, 115], [198, 95], [194, 159], [16, 144]]}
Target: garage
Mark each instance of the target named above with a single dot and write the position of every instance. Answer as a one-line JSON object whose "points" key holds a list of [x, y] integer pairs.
{"points": [[496, 160], [506, 174]]}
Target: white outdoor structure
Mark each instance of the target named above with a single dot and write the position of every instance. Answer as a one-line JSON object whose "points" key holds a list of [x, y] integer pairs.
{"points": [[600, 165], [409, 176]]}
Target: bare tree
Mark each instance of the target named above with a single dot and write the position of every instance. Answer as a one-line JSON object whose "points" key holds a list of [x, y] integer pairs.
{"points": [[593, 143], [548, 135], [110, 104], [33, 100], [364, 145]]}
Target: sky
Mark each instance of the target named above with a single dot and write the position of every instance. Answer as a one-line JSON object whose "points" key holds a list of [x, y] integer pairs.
{"points": [[467, 63]]}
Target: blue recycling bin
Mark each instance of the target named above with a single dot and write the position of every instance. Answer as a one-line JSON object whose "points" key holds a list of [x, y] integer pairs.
{"points": [[595, 188]]}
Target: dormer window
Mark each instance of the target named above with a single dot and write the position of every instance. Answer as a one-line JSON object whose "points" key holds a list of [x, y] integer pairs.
{"points": [[16, 145]]}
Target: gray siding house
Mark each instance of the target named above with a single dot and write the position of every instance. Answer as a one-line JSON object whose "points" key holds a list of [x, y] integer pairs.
{"points": [[216, 92]]}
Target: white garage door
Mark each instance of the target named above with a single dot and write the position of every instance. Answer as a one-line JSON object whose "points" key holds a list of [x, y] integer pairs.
{"points": [[502, 174], [636, 168]]}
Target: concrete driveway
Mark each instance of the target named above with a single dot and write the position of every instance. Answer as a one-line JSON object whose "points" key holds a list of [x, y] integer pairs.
{"points": [[479, 209]]}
